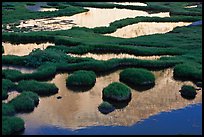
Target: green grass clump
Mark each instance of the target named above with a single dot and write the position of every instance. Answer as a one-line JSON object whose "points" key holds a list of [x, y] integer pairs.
{"points": [[22, 13], [4, 94], [41, 88], [137, 77], [13, 75], [187, 72], [2, 49], [117, 92], [32, 95], [81, 78], [106, 107], [188, 92], [23, 103], [7, 85], [7, 109], [11, 125]]}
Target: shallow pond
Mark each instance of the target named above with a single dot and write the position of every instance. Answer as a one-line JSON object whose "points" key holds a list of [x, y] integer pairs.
{"points": [[130, 3], [193, 6], [23, 49], [95, 17], [77, 110], [146, 28], [19, 68], [189, 121], [37, 7], [120, 56]]}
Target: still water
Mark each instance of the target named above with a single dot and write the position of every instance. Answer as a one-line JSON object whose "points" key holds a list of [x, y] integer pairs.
{"points": [[130, 3], [95, 17], [189, 119], [119, 56], [79, 110], [37, 7]]}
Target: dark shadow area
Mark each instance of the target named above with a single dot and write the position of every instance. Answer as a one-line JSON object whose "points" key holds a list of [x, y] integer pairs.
{"points": [[79, 89], [117, 104], [140, 88]]}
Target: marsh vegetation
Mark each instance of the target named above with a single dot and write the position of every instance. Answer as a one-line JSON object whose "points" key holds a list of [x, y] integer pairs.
{"points": [[48, 54]]}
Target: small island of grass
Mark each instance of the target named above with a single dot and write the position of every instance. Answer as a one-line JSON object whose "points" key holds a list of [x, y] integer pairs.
{"points": [[117, 92], [81, 79], [137, 78], [188, 92]]}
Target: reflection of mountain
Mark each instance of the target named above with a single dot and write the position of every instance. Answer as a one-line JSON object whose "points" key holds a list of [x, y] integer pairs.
{"points": [[95, 17], [146, 28], [77, 110]]}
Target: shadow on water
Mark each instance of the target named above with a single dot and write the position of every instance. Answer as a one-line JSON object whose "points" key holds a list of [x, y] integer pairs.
{"points": [[140, 88], [118, 105], [79, 89]]}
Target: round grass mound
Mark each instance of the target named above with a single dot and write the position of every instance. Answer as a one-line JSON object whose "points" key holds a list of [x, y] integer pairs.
{"points": [[32, 95], [106, 107], [12, 125], [7, 109], [187, 72], [23, 103], [4, 94], [188, 92], [117, 92], [81, 79], [137, 78]]}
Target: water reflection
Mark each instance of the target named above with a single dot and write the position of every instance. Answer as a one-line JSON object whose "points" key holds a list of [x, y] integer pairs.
{"points": [[146, 28], [37, 7], [120, 56], [95, 17], [77, 110], [23, 49], [130, 3], [193, 6], [19, 68]]}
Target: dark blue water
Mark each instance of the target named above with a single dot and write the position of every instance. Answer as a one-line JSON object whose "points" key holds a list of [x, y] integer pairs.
{"points": [[37, 6], [186, 121]]}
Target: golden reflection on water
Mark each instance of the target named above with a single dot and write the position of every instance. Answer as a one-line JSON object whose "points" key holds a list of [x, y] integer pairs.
{"points": [[146, 28], [95, 17], [48, 9], [23, 49], [77, 110], [130, 3], [111, 56]]}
